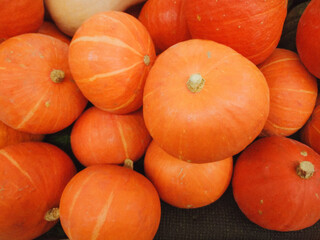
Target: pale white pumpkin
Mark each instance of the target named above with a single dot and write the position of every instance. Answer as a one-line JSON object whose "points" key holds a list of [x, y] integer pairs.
{"points": [[68, 15]]}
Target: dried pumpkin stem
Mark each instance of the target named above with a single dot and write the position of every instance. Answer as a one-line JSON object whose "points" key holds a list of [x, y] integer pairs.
{"points": [[57, 76], [146, 60], [305, 169], [52, 215], [195, 83], [128, 163]]}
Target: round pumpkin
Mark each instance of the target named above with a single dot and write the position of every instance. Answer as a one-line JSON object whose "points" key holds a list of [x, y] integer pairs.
{"points": [[276, 184], [293, 93], [37, 93], [252, 28], [308, 32], [9, 136], [114, 81], [32, 178], [18, 17], [100, 137], [50, 29], [110, 202], [204, 102], [165, 22], [186, 185]]}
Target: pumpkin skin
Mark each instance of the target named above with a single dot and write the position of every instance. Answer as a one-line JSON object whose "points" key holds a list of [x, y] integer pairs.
{"points": [[32, 178], [112, 82], [69, 15], [268, 189], [9, 136], [30, 100], [293, 93], [308, 30], [18, 17], [191, 125], [165, 22], [126, 205], [50, 29], [186, 185], [251, 28], [100, 137]]}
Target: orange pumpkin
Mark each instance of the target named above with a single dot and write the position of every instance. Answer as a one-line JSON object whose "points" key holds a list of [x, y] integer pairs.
{"points": [[18, 17], [252, 28], [37, 93], [51, 30], [9, 136], [32, 178], [110, 202], [293, 93], [204, 102], [100, 137], [110, 56], [186, 185]]}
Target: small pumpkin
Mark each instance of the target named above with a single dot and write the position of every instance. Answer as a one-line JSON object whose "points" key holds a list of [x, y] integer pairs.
{"points": [[186, 185], [293, 93], [276, 184], [252, 28], [308, 30], [37, 93], [110, 202], [32, 178], [165, 22], [204, 102], [18, 17], [100, 137], [114, 81], [69, 15], [51, 30]]}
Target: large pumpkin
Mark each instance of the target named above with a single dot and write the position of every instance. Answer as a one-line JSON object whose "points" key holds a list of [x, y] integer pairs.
{"points": [[18, 17], [308, 34], [37, 93], [252, 28], [276, 184], [32, 178], [186, 185], [165, 22], [105, 202], [110, 56], [102, 137], [293, 93], [204, 102]]}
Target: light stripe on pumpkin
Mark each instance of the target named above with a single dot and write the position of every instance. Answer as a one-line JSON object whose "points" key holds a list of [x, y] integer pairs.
{"points": [[279, 127], [280, 60], [123, 140], [293, 90]]}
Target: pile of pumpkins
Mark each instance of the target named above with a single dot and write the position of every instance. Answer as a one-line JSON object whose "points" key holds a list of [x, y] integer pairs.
{"points": [[185, 84]]}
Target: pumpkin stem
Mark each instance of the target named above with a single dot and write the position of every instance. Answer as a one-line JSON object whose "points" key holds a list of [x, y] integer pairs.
{"points": [[52, 215], [128, 163], [305, 169], [57, 76], [146, 60], [195, 82]]}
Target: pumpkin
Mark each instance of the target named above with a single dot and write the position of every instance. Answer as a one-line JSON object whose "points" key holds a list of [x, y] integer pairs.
{"points": [[251, 28], [114, 81], [293, 93], [32, 178], [186, 185], [276, 184], [288, 36], [37, 93], [165, 22], [69, 15], [10, 136], [51, 30], [18, 17], [100, 137], [310, 133], [204, 102], [110, 202], [308, 30]]}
